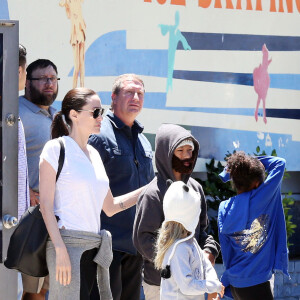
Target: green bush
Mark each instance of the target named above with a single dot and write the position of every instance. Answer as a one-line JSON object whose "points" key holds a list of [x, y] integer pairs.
{"points": [[216, 191]]}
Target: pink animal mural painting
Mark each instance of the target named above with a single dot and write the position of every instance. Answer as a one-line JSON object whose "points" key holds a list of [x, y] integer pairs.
{"points": [[261, 82]]}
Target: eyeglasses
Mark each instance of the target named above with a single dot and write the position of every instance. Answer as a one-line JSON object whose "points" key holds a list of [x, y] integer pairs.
{"points": [[96, 112], [44, 80]]}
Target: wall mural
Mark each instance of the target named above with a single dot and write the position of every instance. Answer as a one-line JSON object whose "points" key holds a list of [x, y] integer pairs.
{"points": [[77, 40], [175, 36], [261, 82], [229, 71]]}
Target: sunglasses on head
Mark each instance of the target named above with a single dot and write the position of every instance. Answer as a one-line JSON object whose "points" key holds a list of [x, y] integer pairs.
{"points": [[96, 112]]}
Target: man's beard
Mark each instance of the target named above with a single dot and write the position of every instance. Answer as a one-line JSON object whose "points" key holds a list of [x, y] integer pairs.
{"points": [[178, 164], [39, 98]]}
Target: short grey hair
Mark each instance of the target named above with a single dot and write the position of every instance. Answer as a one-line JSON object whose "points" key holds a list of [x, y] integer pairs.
{"points": [[118, 84]]}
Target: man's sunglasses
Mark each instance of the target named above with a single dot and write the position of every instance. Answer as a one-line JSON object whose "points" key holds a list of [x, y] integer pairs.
{"points": [[96, 112]]}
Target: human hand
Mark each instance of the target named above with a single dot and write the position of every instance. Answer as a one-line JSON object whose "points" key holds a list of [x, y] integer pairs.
{"points": [[213, 296], [34, 197], [210, 257], [63, 266], [223, 291]]}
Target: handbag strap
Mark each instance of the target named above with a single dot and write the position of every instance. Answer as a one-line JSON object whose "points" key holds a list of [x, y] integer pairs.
{"points": [[61, 158]]}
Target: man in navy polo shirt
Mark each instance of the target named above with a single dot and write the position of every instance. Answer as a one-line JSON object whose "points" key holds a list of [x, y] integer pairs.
{"points": [[127, 157]]}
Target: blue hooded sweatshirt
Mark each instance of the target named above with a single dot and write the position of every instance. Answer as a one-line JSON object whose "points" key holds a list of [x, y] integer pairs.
{"points": [[252, 230]]}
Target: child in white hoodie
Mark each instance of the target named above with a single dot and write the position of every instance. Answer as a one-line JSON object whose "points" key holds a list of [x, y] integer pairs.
{"points": [[186, 272]]}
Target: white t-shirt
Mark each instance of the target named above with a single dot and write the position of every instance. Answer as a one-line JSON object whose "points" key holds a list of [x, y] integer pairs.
{"points": [[81, 187]]}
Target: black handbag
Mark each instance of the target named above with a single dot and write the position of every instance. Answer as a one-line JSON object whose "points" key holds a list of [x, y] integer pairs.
{"points": [[27, 246]]}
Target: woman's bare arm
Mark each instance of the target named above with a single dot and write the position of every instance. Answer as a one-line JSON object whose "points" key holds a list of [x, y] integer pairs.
{"points": [[47, 190], [113, 205]]}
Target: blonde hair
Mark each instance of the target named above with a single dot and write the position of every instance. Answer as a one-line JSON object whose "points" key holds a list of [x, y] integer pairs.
{"points": [[168, 234]]}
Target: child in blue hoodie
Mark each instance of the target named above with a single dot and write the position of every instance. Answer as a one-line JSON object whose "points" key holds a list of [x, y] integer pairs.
{"points": [[251, 225]]}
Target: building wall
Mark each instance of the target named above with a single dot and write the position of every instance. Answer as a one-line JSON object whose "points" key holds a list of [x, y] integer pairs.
{"points": [[208, 65], [295, 238], [284, 289]]}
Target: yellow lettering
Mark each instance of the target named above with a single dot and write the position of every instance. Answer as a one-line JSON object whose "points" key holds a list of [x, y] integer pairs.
{"points": [[204, 3], [239, 5], [272, 6], [258, 5], [178, 2], [219, 5], [298, 5], [229, 5], [289, 5], [280, 6]]}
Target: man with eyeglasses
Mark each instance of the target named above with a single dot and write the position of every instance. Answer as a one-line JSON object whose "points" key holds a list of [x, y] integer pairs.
{"points": [[127, 157], [36, 112]]}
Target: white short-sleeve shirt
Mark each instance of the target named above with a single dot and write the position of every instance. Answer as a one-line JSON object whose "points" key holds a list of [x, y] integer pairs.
{"points": [[81, 187]]}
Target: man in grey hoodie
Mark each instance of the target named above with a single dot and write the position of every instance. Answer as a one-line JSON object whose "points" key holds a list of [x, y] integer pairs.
{"points": [[176, 152]]}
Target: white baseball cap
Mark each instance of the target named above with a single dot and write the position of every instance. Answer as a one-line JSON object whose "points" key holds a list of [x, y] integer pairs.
{"points": [[182, 204]]}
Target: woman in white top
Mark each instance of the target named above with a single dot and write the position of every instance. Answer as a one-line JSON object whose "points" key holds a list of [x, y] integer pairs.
{"points": [[80, 193], [186, 272]]}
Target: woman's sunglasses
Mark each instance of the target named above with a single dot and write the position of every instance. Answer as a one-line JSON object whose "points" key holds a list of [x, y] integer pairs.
{"points": [[96, 112]]}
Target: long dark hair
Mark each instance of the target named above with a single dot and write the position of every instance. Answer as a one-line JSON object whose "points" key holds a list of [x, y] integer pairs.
{"points": [[74, 99]]}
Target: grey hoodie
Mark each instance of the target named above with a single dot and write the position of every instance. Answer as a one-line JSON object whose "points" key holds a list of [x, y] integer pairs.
{"points": [[149, 209]]}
